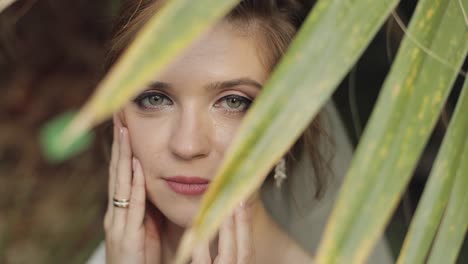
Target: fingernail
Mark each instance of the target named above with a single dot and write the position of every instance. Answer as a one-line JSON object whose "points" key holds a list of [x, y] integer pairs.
{"points": [[242, 204], [243, 211], [240, 210], [120, 133]]}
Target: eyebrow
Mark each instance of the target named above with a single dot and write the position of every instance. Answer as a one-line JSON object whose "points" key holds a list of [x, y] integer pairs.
{"points": [[213, 86]]}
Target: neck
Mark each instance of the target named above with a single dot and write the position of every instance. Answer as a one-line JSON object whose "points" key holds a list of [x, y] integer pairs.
{"points": [[264, 231]]}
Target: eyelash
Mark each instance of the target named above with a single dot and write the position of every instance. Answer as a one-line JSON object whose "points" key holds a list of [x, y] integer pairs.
{"points": [[139, 99], [244, 100]]}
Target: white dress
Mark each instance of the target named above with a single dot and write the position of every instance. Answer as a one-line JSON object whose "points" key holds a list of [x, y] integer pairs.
{"points": [[313, 216]]}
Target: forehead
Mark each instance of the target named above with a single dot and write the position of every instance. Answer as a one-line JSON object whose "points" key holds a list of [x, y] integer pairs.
{"points": [[222, 53]]}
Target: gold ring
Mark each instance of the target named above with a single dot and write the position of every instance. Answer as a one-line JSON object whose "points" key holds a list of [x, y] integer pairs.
{"points": [[121, 203]]}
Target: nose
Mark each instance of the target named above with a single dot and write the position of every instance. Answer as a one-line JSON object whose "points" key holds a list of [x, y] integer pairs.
{"points": [[191, 135]]}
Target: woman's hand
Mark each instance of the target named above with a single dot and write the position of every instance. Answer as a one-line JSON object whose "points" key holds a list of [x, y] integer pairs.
{"points": [[235, 244], [129, 231]]}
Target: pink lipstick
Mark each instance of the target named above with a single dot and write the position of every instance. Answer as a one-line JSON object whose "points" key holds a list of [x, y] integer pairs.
{"points": [[187, 185]]}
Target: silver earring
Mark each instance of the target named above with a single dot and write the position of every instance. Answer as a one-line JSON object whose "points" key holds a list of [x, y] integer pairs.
{"points": [[280, 172]]}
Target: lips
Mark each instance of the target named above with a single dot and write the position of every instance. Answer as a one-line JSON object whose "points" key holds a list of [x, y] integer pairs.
{"points": [[187, 185]]}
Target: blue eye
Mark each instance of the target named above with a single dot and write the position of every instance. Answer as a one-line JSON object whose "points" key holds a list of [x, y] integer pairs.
{"points": [[152, 100], [234, 103]]}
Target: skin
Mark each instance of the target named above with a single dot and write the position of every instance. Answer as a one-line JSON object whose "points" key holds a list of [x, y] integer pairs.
{"points": [[183, 124]]}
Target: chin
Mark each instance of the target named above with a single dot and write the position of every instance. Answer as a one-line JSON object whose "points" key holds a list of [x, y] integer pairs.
{"points": [[184, 221], [178, 209]]}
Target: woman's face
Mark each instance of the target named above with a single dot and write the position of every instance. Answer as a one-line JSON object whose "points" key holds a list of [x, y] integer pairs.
{"points": [[181, 125]]}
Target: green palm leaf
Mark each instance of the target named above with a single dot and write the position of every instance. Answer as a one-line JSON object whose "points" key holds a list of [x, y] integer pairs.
{"points": [[328, 44], [407, 109], [454, 224], [439, 187]]}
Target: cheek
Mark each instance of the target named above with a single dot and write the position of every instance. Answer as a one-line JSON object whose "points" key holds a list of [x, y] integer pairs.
{"points": [[225, 131], [148, 140]]}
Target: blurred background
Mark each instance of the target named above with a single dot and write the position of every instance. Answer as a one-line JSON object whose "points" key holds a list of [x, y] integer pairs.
{"points": [[51, 57]]}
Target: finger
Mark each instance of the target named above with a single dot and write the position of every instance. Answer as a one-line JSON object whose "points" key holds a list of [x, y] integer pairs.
{"points": [[227, 242], [201, 254], [136, 211], [114, 154], [112, 170], [245, 249], [114, 157], [123, 179], [115, 144]]}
